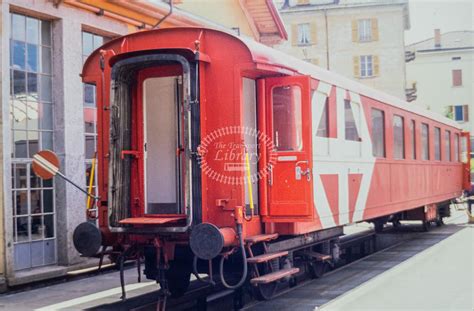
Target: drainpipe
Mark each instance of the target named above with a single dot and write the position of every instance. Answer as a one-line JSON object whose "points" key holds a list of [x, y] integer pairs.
{"points": [[327, 39]]}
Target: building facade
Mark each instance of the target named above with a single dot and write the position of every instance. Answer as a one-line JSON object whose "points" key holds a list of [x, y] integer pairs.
{"points": [[442, 72], [45, 105], [363, 40], [442, 76]]}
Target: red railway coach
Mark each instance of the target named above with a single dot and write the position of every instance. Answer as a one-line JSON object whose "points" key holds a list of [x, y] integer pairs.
{"points": [[188, 116]]}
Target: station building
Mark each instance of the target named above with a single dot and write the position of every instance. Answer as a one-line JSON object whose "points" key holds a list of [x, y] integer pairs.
{"points": [[45, 105], [363, 40]]}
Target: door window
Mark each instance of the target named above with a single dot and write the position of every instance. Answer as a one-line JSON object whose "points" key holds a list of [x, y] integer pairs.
{"points": [[287, 124]]}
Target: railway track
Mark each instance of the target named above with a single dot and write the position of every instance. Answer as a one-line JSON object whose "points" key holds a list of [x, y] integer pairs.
{"points": [[205, 297]]}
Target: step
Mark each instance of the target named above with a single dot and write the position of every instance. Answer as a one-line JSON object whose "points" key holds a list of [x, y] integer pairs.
{"points": [[266, 257], [319, 256], [261, 238], [274, 276]]}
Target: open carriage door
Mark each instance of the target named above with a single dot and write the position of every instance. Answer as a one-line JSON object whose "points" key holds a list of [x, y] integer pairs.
{"points": [[289, 126]]}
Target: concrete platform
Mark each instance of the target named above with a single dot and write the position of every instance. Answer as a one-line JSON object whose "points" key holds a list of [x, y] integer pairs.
{"points": [[428, 271]]}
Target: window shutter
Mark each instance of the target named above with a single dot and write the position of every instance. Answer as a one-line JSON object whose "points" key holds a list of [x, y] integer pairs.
{"points": [[314, 33], [294, 34], [375, 29], [375, 60], [466, 113], [355, 32], [356, 66], [450, 113]]}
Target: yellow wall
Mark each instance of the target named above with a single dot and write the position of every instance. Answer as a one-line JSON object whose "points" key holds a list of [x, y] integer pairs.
{"points": [[225, 12]]}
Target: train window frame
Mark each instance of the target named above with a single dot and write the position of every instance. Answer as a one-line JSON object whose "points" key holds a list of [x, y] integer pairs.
{"points": [[456, 147], [413, 139], [297, 122], [398, 149], [425, 142], [437, 143], [380, 139], [353, 122], [323, 125], [447, 145]]}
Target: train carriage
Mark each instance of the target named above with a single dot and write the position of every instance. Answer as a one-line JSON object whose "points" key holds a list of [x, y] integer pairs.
{"points": [[213, 146]]}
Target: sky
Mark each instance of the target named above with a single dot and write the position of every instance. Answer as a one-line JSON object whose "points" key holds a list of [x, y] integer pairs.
{"points": [[447, 15]]}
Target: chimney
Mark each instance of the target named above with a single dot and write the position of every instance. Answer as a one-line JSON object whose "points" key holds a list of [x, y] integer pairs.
{"points": [[437, 38]]}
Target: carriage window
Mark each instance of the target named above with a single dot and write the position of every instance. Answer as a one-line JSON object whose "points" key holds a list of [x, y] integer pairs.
{"points": [[456, 147], [351, 113], [287, 125], [425, 142], [398, 138], [378, 133], [447, 145], [437, 143], [323, 128], [413, 139]]}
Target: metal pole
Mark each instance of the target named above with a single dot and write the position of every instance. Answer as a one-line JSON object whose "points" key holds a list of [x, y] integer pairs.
{"points": [[75, 185]]}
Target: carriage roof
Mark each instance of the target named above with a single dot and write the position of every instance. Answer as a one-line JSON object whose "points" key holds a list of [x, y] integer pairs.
{"points": [[262, 54]]}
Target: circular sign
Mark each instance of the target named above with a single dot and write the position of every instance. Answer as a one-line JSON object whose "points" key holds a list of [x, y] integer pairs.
{"points": [[45, 164]]}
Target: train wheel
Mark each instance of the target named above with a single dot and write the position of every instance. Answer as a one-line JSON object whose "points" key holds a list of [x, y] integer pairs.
{"points": [[318, 269], [265, 291], [178, 276]]}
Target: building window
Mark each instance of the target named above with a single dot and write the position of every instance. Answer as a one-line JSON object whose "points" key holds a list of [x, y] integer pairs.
{"points": [[323, 127], [366, 66], [304, 36], [378, 133], [364, 30], [398, 138], [457, 77], [90, 42], [425, 142], [352, 116], [287, 122], [447, 145], [413, 139], [437, 143], [456, 147], [31, 119], [456, 58], [460, 113]]}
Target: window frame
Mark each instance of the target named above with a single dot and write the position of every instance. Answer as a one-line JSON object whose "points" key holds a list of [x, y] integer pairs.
{"points": [[425, 145], [457, 80], [413, 139], [325, 116], [355, 118], [456, 148], [437, 143], [403, 149], [384, 145], [299, 129], [366, 66], [301, 35], [447, 146], [364, 30]]}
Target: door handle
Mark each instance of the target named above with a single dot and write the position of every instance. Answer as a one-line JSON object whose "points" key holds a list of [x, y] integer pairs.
{"points": [[299, 172]]}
